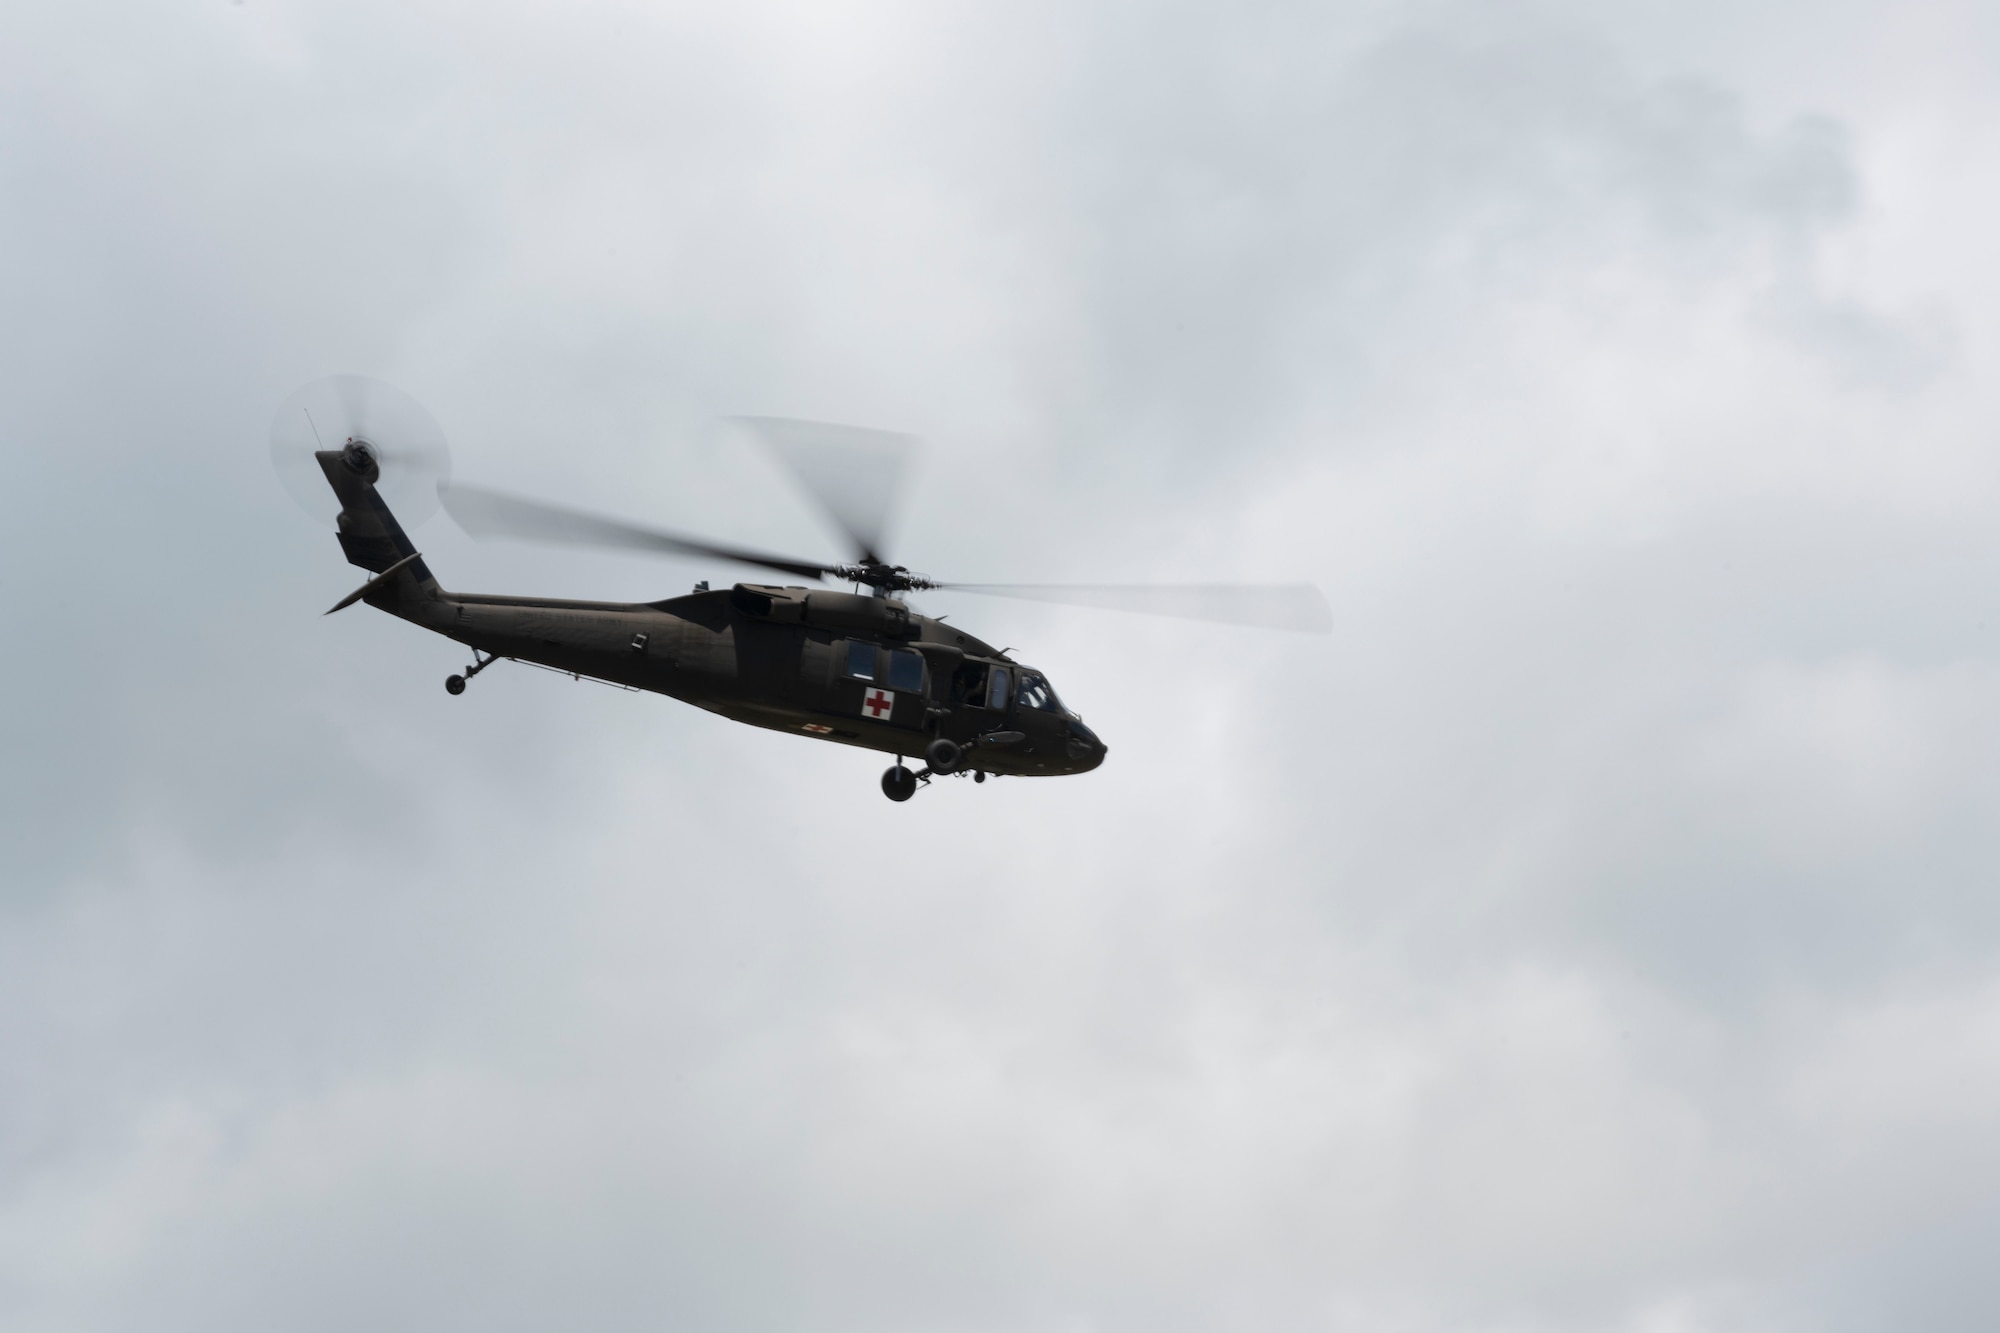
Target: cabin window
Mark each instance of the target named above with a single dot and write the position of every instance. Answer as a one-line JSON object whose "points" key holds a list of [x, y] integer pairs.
{"points": [[968, 684], [996, 689], [861, 660], [906, 671]]}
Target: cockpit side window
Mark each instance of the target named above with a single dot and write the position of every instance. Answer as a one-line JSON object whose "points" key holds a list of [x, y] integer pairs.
{"points": [[1035, 693], [860, 660], [996, 689]]}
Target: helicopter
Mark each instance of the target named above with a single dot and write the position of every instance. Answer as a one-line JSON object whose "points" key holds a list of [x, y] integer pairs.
{"points": [[859, 668]]}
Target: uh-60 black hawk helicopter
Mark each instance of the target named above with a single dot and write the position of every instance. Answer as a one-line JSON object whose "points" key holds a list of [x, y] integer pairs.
{"points": [[858, 668]]}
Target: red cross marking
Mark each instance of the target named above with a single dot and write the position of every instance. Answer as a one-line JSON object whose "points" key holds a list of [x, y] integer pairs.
{"points": [[878, 702]]}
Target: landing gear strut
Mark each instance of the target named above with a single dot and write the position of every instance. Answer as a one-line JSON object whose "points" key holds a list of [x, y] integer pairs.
{"points": [[456, 684]]}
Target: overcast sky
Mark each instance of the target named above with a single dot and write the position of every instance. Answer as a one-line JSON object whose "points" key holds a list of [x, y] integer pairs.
{"points": [[1597, 931]]}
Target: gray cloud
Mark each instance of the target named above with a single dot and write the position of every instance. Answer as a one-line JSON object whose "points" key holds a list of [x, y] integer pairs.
{"points": [[1591, 934]]}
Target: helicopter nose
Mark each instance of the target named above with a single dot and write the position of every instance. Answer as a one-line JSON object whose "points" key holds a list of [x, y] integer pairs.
{"points": [[1085, 747]]}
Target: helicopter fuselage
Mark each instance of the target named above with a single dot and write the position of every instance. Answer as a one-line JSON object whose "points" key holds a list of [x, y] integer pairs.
{"points": [[832, 666], [835, 666]]}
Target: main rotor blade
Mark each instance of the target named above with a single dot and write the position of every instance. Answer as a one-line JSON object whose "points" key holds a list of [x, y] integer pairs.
{"points": [[485, 513], [1288, 606], [854, 474]]}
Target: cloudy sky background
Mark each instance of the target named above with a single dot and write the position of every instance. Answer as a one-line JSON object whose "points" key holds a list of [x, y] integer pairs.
{"points": [[1597, 932]]}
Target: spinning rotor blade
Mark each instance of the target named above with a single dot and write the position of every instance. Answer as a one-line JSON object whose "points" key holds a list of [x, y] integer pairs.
{"points": [[354, 402], [406, 440], [854, 474], [484, 513], [1290, 606]]}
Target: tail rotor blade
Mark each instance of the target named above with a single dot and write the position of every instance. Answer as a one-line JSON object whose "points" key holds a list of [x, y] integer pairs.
{"points": [[352, 393], [1299, 607]]}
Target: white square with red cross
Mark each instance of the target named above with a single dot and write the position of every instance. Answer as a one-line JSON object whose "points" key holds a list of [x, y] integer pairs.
{"points": [[878, 703]]}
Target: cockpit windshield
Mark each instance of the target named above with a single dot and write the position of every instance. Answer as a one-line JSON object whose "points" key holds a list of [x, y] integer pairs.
{"points": [[1035, 693]]}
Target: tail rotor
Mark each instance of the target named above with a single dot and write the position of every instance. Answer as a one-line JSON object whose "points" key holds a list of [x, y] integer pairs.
{"points": [[341, 411]]}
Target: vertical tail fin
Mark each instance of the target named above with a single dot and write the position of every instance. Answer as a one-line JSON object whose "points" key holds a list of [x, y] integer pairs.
{"points": [[369, 534]]}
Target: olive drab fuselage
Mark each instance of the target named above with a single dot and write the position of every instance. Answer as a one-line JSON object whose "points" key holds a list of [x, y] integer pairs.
{"points": [[835, 666]]}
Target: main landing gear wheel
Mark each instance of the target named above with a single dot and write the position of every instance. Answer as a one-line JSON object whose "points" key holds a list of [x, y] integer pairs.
{"points": [[454, 685], [899, 784], [943, 755]]}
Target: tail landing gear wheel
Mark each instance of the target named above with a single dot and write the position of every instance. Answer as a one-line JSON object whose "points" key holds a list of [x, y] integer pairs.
{"points": [[454, 685], [942, 755], [899, 784]]}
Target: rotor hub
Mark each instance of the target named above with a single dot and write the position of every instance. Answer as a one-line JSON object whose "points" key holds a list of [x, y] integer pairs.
{"points": [[359, 457], [883, 577]]}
